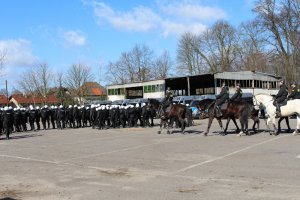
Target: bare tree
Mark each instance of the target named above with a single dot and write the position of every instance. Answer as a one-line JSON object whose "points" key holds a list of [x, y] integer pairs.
{"points": [[134, 65], [280, 21], [37, 81], [76, 76], [213, 50], [190, 62], [3, 57], [162, 66], [251, 54]]}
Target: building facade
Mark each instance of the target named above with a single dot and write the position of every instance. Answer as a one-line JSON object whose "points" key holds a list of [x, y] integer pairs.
{"points": [[250, 81]]}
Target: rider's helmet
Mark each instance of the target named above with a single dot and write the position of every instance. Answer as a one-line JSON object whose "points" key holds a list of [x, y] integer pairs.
{"points": [[281, 81]]}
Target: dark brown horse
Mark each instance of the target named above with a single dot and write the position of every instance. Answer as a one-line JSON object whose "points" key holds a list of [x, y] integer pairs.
{"points": [[234, 110], [177, 111], [206, 103]]}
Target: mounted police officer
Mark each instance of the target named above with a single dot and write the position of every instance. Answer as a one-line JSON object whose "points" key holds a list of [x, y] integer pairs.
{"points": [[168, 98], [281, 96], [238, 93], [221, 98], [295, 94]]}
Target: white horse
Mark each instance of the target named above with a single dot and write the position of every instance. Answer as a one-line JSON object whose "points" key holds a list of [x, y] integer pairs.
{"points": [[266, 101]]}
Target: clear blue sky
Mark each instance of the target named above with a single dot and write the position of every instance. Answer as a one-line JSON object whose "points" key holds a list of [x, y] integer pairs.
{"points": [[63, 32]]}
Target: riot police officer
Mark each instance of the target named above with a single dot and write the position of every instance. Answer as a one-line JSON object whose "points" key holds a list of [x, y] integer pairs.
{"points": [[168, 98], [295, 94], [221, 98], [281, 96], [238, 93]]}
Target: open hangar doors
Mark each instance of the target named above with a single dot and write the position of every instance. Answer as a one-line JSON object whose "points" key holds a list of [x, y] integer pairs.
{"points": [[192, 85]]}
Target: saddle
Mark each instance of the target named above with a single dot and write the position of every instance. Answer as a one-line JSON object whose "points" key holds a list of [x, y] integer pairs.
{"points": [[168, 108], [224, 106], [281, 104]]}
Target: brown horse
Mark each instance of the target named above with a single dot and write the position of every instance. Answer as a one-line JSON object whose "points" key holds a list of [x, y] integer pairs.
{"points": [[235, 110], [206, 103], [177, 111]]}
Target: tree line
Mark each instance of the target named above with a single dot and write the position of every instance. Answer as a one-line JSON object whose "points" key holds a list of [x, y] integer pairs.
{"points": [[269, 43]]}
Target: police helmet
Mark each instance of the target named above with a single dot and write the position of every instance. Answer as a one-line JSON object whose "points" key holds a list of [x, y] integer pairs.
{"points": [[293, 84]]}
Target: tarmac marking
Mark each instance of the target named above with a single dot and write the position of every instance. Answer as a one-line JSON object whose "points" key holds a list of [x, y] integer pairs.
{"points": [[227, 155], [128, 149], [28, 159]]}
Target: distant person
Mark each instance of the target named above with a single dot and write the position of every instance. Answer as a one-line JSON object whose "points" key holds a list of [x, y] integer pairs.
{"points": [[295, 94], [238, 93]]}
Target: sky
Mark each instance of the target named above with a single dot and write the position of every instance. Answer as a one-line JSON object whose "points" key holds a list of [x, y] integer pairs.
{"points": [[96, 32]]}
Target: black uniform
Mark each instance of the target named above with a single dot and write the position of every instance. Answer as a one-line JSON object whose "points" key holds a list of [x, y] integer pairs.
{"points": [[282, 94], [223, 96], [280, 97], [168, 99], [237, 95], [295, 94]]}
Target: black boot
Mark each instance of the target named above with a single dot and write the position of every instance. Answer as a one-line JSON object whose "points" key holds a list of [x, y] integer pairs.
{"points": [[278, 111], [218, 111]]}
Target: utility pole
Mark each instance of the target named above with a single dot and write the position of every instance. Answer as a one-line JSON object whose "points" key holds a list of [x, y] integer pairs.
{"points": [[6, 92]]}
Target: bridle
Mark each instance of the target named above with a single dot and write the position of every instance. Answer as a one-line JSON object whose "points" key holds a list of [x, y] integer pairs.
{"points": [[259, 105]]}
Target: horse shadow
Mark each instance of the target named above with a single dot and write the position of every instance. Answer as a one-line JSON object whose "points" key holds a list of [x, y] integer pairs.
{"points": [[187, 131]]}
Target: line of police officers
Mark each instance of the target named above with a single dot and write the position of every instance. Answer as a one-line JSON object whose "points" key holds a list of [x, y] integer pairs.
{"points": [[97, 116]]}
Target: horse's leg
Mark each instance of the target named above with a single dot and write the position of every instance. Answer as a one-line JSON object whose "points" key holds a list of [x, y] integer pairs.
{"points": [[274, 126], [255, 121], [268, 126], [227, 123], [279, 126], [237, 127], [211, 118], [288, 124], [221, 125], [160, 126], [298, 125], [182, 124]]}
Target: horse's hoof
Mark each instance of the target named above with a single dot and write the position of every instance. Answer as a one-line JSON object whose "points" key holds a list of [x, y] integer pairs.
{"points": [[205, 134], [158, 132], [168, 132], [294, 133], [182, 132]]}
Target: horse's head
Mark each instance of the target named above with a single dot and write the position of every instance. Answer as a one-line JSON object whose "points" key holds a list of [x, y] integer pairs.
{"points": [[261, 100]]}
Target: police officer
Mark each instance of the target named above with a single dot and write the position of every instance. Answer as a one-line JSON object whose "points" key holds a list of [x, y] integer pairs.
{"points": [[281, 96], [295, 94], [221, 98], [7, 121], [238, 93], [168, 98]]}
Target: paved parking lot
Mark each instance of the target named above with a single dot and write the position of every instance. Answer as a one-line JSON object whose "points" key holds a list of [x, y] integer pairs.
{"points": [[138, 163]]}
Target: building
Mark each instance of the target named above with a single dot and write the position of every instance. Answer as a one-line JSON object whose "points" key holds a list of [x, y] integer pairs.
{"points": [[3, 100], [250, 81], [20, 100], [93, 91]]}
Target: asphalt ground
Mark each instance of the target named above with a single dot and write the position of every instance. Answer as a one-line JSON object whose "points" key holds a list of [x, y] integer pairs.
{"points": [[138, 163]]}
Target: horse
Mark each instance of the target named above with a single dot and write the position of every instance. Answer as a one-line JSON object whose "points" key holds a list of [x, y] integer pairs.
{"points": [[177, 111], [290, 108], [206, 103], [235, 110]]}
